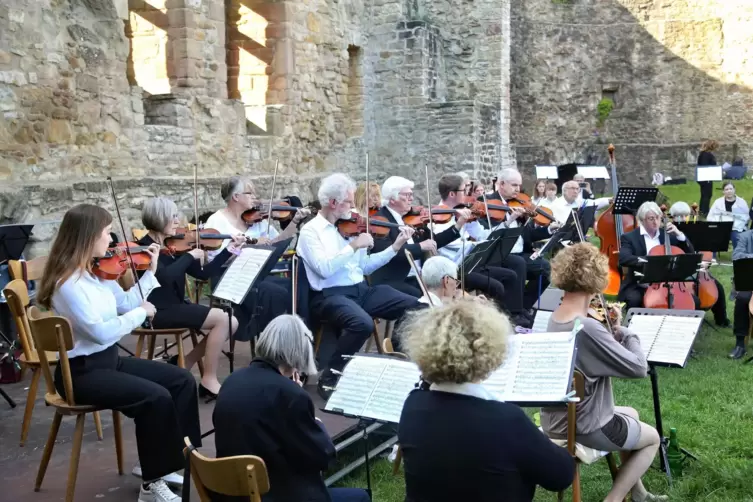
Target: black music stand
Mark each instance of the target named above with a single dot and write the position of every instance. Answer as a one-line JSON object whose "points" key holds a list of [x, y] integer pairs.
{"points": [[742, 271], [708, 235], [506, 239], [480, 255], [668, 269], [629, 199]]}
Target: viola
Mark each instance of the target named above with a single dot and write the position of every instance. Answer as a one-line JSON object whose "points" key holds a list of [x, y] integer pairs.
{"points": [[210, 239], [657, 295], [542, 216], [281, 211], [115, 263], [379, 227], [496, 208], [416, 217]]}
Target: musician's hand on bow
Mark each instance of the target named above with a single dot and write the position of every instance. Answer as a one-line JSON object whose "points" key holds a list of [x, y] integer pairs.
{"points": [[301, 214], [363, 241], [462, 216], [263, 241], [153, 252], [295, 377], [405, 234], [428, 246], [150, 309], [555, 225], [672, 229], [239, 240], [198, 254], [516, 213]]}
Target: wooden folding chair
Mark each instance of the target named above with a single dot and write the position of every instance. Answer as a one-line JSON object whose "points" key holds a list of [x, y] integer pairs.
{"points": [[18, 301], [239, 476], [26, 271], [53, 333]]}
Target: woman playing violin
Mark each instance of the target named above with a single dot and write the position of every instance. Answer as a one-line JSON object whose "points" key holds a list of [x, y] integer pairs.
{"points": [[160, 397], [375, 198], [160, 217]]}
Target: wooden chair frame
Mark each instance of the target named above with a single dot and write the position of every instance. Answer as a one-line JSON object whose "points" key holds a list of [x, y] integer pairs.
{"points": [[53, 333], [239, 476]]}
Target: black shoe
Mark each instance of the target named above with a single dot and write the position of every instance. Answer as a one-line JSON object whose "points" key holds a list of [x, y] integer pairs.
{"points": [[724, 323], [172, 360], [522, 321], [204, 392], [737, 353]]}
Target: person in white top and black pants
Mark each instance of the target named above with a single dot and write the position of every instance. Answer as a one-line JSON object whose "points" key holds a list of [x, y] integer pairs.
{"points": [[161, 398], [336, 266]]}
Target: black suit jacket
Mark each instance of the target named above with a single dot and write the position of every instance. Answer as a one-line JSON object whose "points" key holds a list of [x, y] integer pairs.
{"points": [[633, 247], [260, 412], [531, 233], [461, 448], [397, 268]]}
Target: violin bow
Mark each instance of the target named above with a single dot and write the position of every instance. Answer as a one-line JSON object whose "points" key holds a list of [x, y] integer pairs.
{"points": [[196, 208], [486, 208], [272, 195], [127, 248], [368, 192], [600, 295], [421, 283], [428, 201]]}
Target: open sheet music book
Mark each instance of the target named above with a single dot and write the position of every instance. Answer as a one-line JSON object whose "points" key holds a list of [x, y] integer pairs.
{"points": [[666, 339], [241, 274], [541, 321], [374, 387], [538, 369]]}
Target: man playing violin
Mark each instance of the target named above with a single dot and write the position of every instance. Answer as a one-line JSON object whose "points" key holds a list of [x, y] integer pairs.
{"points": [[508, 184], [336, 266], [273, 295], [502, 285], [397, 199], [637, 244]]}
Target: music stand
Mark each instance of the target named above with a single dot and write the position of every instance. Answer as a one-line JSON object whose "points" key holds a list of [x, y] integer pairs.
{"points": [[670, 268], [708, 235], [629, 199], [480, 255], [506, 239]]}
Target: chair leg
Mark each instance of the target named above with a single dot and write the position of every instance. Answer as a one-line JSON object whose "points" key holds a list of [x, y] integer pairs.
{"points": [[398, 460], [377, 340], [613, 469], [151, 344], [318, 340], [118, 440], [54, 428], [78, 437], [181, 356], [139, 347], [195, 342], [31, 398], [576, 483], [98, 425]]}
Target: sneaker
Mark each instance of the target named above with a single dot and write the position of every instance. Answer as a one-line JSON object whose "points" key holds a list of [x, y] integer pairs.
{"points": [[174, 478], [157, 492]]}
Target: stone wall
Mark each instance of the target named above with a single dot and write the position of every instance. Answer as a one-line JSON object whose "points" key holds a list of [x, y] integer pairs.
{"points": [[680, 72], [144, 91]]}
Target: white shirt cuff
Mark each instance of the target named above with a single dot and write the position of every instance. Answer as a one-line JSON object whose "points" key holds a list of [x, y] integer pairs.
{"points": [[681, 237]]}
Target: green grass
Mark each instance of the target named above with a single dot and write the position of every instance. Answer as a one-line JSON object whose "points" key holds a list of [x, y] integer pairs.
{"points": [[709, 402]]}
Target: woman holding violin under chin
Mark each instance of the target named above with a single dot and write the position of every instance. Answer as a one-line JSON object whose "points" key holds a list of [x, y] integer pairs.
{"points": [[160, 217], [160, 398]]}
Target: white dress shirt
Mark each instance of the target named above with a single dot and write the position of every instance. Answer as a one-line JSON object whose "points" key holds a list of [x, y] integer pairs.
{"points": [[399, 221], [561, 208], [435, 300], [222, 224], [454, 250], [651, 242], [99, 311], [330, 261]]}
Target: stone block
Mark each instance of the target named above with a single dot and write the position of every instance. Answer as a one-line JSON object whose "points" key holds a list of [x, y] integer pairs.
{"points": [[59, 132]]}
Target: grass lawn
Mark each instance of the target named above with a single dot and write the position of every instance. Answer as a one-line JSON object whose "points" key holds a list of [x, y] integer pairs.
{"points": [[710, 402]]}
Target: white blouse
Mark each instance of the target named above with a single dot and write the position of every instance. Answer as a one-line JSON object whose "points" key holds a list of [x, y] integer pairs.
{"points": [[99, 311]]}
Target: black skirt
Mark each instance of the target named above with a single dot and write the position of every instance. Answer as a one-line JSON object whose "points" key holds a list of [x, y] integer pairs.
{"points": [[181, 315]]}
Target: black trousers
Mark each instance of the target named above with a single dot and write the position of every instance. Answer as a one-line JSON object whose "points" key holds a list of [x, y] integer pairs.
{"points": [[741, 322], [499, 284], [350, 310], [719, 309], [161, 398], [707, 190], [409, 286], [270, 298], [531, 270]]}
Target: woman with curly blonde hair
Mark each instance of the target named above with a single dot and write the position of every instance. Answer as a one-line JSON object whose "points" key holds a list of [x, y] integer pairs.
{"points": [[458, 441], [581, 272]]}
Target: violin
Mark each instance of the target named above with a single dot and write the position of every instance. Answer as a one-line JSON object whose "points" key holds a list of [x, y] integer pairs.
{"points": [[657, 295], [379, 227], [416, 217], [210, 239], [115, 263], [542, 216], [281, 211]]}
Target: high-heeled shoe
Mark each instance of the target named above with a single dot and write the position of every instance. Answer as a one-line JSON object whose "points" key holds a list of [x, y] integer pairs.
{"points": [[204, 392]]}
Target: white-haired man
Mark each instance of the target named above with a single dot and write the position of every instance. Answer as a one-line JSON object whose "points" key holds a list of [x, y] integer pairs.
{"points": [[397, 200], [336, 266], [440, 276], [637, 244], [571, 199]]}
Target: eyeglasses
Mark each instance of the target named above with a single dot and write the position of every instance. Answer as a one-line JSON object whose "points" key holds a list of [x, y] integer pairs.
{"points": [[407, 195]]}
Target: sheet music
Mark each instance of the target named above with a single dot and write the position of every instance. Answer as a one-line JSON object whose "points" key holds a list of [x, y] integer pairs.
{"points": [[546, 172], [594, 172], [537, 369], [541, 321], [709, 173], [374, 387], [666, 339], [241, 274]]}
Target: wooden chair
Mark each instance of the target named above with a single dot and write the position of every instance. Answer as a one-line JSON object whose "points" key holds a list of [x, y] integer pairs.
{"points": [[579, 387], [53, 333], [240, 476], [388, 350], [26, 271], [18, 301]]}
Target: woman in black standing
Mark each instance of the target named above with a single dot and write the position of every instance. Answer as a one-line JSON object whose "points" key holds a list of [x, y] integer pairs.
{"points": [[706, 158]]}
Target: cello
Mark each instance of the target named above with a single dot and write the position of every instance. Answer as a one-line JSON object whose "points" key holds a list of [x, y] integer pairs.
{"points": [[609, 228], [657, 296]]}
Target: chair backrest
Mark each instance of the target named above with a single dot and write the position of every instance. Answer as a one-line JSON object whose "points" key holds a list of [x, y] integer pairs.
{"points": [[30, 270], [53, 333], [17, 296], [389, 350], [240, 476], [139, 233]]}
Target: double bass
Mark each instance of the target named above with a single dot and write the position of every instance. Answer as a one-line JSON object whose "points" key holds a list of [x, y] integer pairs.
{"points": [[609, 228]]}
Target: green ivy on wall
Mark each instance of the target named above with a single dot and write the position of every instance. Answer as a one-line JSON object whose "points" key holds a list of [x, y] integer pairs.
{"points": [[604, 108]]}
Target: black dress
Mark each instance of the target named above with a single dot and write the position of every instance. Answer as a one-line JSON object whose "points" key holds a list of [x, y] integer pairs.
{"points": [[169, 299]]}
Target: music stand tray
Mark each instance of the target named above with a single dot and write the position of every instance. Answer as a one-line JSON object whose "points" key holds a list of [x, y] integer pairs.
{"points": [[13, 241], [629, 199], [708, 235]]}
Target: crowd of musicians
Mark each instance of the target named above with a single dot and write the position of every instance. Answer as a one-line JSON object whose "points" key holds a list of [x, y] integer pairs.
{"points": [[459, 443]]}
